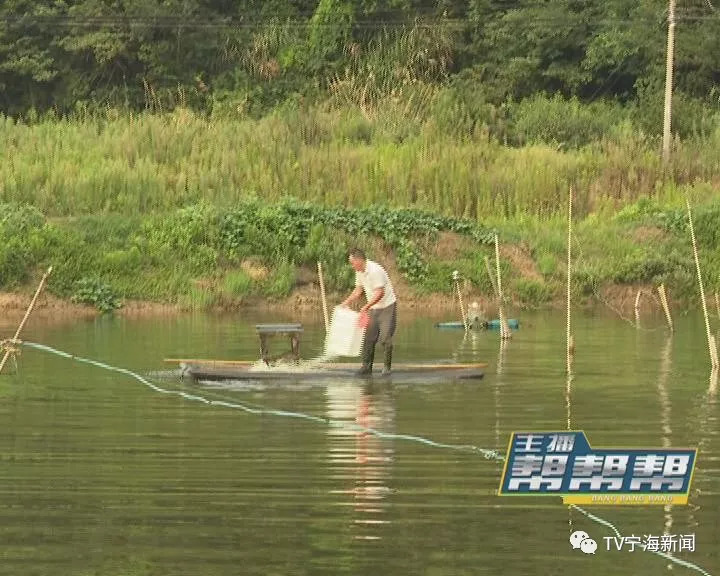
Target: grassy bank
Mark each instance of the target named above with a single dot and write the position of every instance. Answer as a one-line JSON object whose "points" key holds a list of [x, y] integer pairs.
{"points": [[218, 212], [448, 158], [203, 255]]}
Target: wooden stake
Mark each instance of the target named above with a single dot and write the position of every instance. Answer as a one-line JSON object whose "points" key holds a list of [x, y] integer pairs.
{"points": [[464, 318], [491, 276], [504, 328], [27, 315], [711, 340], [569, 338], [322, 296], [667, 117], [666, 308], [713, 353], [637, 307]]}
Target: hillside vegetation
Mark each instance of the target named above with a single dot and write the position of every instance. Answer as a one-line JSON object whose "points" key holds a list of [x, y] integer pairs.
{"points": [[210, 153]]}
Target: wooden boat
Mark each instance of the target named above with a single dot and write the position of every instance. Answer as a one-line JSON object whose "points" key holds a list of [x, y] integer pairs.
{"points": [[488, 325], [200, 369]]}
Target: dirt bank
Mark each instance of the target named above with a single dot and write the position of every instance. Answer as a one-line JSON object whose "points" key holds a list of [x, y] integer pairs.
{"points": [[307, 300], [14, 305]]}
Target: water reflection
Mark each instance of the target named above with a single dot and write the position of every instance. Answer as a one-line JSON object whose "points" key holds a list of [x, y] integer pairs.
{"points": [[713, 382], [665, 420], [496, 389], [469, 346], [361, 460], [568, 413], [707, 422], [501, 356], [568, 406]]}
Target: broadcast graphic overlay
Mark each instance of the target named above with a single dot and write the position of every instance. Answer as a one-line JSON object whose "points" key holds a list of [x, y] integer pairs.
{"points": [[564, 464]]}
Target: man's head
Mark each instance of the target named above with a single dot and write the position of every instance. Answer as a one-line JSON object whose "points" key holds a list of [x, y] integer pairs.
{"points": [[357, 259]]}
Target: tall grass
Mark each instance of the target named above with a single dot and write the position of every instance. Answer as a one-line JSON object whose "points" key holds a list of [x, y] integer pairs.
{"points": [[138, 163]]}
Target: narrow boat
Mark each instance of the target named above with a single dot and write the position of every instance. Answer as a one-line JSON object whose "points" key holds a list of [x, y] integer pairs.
{"points": [[513, 324], [200, 369]]}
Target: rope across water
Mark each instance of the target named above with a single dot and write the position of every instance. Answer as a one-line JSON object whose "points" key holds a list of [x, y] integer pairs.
{"points": [[488, 454]]}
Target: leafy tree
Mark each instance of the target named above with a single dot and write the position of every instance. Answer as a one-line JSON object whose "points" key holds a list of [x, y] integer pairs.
{"points": [[247, 56], [28, 58]]}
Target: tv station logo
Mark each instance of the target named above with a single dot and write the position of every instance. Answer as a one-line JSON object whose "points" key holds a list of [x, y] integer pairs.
{"points": [[668, 543], [564, 464]]}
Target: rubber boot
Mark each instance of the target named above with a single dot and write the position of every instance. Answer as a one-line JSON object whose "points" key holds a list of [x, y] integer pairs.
{"points": [[367, 361], [388, 361]]}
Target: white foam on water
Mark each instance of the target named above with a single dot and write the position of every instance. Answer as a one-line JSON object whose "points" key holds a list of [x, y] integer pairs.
{"points": [[344, 338], [311, 365]]}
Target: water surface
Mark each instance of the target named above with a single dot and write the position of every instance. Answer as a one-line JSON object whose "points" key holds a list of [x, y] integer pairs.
{"points": [[102, 475]]}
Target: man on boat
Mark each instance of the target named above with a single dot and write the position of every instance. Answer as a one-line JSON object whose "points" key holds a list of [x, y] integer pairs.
{"points": [[380, 310]]}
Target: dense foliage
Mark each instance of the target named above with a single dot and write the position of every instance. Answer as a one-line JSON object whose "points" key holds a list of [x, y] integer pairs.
{"points": [[203, 255], [162, 257], [246, 57], [150, 147]]}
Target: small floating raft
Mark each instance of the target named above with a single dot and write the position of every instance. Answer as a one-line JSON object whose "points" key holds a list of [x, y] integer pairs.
{"points": [[488, 325], [249, 370]]}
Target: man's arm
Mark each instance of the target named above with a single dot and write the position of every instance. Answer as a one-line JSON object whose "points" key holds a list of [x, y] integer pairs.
{"points": [[377, 296], [354, 295]]}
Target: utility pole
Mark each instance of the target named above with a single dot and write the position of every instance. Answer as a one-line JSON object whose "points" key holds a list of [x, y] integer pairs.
{"points": [[669, 81]]}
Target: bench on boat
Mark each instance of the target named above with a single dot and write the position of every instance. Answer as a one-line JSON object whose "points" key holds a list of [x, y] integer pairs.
{"points": [[292, 331]]}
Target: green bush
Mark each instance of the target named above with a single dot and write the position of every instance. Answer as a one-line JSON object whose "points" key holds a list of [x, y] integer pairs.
{"points": [[281, 281], [706, 224], [123, 261], [93, 291], [19, 219], [22, 229], [462, 111], [188, 235], [558, 121], [639, 268], [303, 233], [586, 282], [71, 257], [438, 278], [199, 297], [532, 292], [14, 263], [356, 129], [238, 283], [547, 264]]}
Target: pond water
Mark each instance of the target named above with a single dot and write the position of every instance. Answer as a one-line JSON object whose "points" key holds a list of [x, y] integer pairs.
{"points": [[103, 474]]}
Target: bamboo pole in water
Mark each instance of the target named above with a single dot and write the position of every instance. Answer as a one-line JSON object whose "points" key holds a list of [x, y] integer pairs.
{"points": [[637, 308], [568, 390], [666, 307], [464, 318], [27, 315], [570, 343], [504, 328], [322, 296], [491, 276], [710, 337]]}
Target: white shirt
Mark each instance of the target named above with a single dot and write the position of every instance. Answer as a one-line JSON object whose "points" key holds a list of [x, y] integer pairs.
{"points": [[373, 278]]}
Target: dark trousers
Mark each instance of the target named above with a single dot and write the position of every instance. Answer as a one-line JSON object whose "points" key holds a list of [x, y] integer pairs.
{"points": [[381, 329]]}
